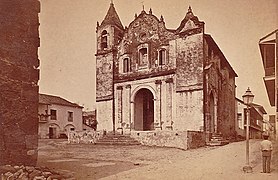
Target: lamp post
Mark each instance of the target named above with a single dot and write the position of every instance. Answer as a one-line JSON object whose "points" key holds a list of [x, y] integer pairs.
{"points": [[247, 99]]}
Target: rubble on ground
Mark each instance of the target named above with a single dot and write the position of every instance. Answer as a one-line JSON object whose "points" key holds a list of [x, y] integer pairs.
{"points": [[33, 173]]}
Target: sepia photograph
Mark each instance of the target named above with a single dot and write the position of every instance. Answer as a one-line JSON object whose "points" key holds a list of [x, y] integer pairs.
{"points": [[138, 89]]}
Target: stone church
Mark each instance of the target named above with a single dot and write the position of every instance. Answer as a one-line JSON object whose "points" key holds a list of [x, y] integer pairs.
{"points": [[153, 80]]}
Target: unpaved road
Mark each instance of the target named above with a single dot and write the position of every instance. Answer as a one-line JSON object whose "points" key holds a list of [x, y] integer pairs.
{"points": [[90, 162]]}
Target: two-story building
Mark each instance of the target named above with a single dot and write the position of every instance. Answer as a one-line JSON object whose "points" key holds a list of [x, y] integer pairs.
{"points": [[58, 116], [154, 79], [257, 121], [269, 52]]}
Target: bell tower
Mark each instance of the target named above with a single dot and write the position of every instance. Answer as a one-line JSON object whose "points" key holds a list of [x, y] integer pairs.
{"points": [[109, 33]]}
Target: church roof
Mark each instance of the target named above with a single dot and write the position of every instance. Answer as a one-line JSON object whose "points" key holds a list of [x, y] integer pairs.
{"points": [[112, 18]]}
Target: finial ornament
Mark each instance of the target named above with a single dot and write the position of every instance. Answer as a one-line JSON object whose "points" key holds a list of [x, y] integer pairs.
{"points": [[112, 2], [161, 18], [150, 12], [143, 5], [189, 9]]}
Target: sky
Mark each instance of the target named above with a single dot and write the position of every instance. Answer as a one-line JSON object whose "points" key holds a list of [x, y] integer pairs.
{"points": [[68, 40]]}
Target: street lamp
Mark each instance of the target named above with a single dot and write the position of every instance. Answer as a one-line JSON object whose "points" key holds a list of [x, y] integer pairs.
{"points": [[247, 99]]}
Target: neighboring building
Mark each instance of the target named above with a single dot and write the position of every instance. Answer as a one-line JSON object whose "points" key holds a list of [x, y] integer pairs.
{"points": [[89, 120], [240, 129], [58, 116], [270, 126], [257, 121], [150, 78], [19, 75], [269, 52]]}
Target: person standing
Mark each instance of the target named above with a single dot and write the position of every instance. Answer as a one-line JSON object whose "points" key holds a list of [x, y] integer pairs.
{"points": [[266, 148]]}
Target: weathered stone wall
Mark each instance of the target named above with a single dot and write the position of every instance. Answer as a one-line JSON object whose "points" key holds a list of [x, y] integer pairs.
{"points": [[220, 83], [177, 139], [19, 37], [104, 115], [149, 32], [195, 139], [189, 107], [104, 76], [189, 60]]}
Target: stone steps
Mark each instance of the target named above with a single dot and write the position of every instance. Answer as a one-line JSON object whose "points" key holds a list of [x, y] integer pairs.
{"points": [[217, 140], [117, 139]]}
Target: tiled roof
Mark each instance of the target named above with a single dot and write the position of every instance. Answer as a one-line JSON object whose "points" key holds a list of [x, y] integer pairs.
{"points": [[112, 17], [50, 99]]}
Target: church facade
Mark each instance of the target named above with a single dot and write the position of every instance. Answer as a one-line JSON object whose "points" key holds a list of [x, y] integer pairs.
{"points": [[153, 79]]}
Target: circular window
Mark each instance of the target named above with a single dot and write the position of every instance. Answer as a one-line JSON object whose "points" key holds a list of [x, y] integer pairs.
{"points": [[143, 36]]}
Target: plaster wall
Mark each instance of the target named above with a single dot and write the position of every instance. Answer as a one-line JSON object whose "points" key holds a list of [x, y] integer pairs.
{"points": [[61, 124], [189, 111], [104, 115]]}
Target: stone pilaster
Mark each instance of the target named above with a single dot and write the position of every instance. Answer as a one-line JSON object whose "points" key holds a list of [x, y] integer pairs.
{"points": [[128, 111], [169, 103], [119, 108], [157, 123]]}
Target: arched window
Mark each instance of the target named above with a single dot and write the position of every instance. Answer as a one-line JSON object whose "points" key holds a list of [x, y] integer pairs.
{"points": [[162, 57], [104, 35], [126, 65], [143, 56]]}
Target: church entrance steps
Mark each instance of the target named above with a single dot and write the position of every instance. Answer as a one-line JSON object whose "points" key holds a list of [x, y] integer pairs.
{"points": [[117, 139]]}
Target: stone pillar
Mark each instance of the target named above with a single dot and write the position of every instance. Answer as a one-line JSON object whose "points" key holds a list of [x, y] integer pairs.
{"points": [[128, 111], [157, 123], [169, 96], [119, 111], [19, 75]]}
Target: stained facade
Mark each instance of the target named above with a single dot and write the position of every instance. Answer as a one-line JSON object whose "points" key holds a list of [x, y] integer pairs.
{"points": [[150, 78]]}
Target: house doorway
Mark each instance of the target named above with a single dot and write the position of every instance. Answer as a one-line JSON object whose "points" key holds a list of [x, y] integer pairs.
{"points": [[52, 133], [144, 110]]}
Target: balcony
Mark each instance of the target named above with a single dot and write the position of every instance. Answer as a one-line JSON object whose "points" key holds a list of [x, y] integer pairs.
{"points": [[43, 118]]}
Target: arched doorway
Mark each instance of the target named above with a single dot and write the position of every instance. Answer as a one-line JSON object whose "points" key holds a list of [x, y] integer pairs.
{"points": [[143, 110]]}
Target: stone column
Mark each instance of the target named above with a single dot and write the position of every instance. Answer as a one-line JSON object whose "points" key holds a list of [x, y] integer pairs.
{"points": [[119, 107], [169, 94], [157, 123], [128, 111]]}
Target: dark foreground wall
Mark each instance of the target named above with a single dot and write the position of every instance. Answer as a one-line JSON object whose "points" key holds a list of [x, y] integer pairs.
{"points": [[19, 42]]}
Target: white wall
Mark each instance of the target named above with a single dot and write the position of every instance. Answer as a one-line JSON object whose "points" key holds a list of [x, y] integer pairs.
{"points": [[61, 123], [189, 108], [104, 115]]}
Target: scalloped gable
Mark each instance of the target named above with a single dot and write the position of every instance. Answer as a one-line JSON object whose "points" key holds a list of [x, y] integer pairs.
{"points": [[190, 22]]}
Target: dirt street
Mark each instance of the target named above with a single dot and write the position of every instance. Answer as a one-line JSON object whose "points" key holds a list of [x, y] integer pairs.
{"points": [[90, 162]]}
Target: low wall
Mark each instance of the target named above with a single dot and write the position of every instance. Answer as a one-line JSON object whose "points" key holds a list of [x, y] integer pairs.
{"points": [[177, 139], [195, 139], [84, 136]]}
